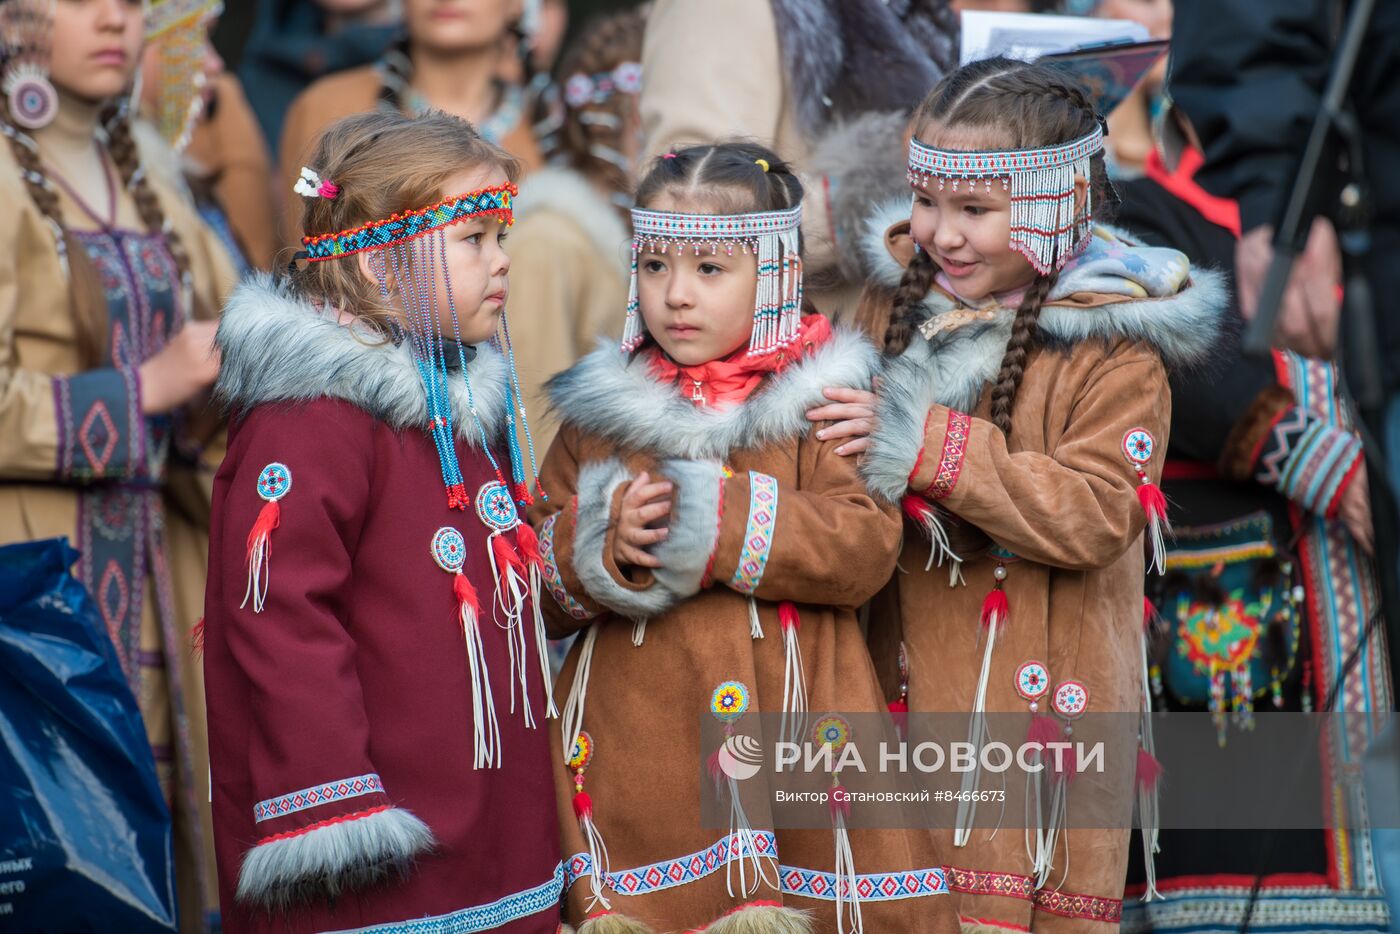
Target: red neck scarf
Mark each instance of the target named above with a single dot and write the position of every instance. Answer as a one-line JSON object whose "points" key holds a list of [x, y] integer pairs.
{"points": [[723, 383], [1182, 183]]}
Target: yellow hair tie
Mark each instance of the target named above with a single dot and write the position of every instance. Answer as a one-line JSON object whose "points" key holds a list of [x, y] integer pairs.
{"points": [[761, 163]]}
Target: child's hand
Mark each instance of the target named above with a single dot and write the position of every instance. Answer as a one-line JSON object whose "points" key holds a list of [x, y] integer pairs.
{"points": [[853, 411], [642, 504]]}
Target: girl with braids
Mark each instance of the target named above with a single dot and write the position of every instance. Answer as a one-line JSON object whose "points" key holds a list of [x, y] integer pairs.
{"points": [[450, 58], [377, 679], [710, 552], [570, 236], [108, 284], [1022, 421]]}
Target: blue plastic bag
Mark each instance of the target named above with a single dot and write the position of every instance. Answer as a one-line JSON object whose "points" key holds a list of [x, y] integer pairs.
{"points": [[85, 840]]}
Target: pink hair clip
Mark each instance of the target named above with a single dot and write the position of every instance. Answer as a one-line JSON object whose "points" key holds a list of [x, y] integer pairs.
{"points": [[669, 155], [311, 185]]}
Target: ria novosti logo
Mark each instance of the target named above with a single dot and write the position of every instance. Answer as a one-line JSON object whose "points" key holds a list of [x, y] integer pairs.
{"points": [[740, 757]]}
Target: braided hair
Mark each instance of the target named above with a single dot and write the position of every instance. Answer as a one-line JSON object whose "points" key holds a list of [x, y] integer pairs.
{"points": [[87, 300], [1015, 105], [591, 140], [727, 178]]}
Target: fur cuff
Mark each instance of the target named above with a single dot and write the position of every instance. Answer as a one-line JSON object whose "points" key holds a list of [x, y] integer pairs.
{"points": [[331, 858], [694, 525], [613, 923], [1241, 451], [898, 438], [762, 918]]}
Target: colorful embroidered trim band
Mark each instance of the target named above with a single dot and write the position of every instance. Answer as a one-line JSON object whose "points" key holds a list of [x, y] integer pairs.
{"points": [[951, 460], [488, 917], [758, 535], [1047, 226], [773, 236], [317, 795], [405, 226], [552, 578], [795, 880], [1087, 907], [982, 882], [925, 162]]}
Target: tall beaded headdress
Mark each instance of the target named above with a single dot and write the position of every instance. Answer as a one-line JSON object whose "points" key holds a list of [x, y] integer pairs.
{"points": [[1045, 226], [772, 236]]}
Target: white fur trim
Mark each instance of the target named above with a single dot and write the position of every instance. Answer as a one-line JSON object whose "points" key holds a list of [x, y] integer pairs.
{"points": [[613, 396], [684, 554], [566, 192], [278, 348], [328, 861]]}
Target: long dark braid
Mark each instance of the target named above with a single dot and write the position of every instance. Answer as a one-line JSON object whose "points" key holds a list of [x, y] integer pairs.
{"points": [[1017, 106], [908, 297]]}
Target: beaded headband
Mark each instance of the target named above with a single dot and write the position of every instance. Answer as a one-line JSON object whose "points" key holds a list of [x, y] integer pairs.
{"points": [[771, 235], [1045, 228], [408, 225]]}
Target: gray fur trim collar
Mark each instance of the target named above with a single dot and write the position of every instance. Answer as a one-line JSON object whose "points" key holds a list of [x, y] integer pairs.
{"points": [[278, 348], [613, 396]]}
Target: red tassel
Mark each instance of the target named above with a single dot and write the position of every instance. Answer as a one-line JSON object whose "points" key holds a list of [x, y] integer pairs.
{"points": [[583, 806], [899, 713], [506, 556], [712, 763], [197, 637], [269, 518], [457, 496], [522, 494], [1149, 770], [996, 605], [916, 508], [1153, 501], [899, 706], [1043, 731], [1068, 760], [529, 545], [465, 592], [839, 802], [788, 617]]}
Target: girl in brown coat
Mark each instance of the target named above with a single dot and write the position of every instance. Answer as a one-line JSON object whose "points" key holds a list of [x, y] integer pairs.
{"points": [[700, 424], [1026, 399]]}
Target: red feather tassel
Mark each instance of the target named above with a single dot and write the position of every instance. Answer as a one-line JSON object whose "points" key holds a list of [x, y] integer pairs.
{"points": [[1153, 501], [269, 518], [529, 545], [788, 617], [839, 802], [916, 508], [583, 806], [465, 592], [197, 637], [1043, 730], [996, 605], [1149, 770], [506, 556], [1068, 761]]}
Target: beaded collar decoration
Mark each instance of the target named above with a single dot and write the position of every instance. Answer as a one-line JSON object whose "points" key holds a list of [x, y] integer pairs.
{"points": [[1045, 227], [772, 236], [405, 226]]}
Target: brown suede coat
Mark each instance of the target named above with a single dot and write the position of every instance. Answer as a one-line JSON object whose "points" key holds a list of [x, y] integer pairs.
{"points": [[1059, 494], [828, 550]]}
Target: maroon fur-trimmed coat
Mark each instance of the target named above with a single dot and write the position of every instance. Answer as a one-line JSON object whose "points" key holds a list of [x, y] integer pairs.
{"points": [[341, 716]]}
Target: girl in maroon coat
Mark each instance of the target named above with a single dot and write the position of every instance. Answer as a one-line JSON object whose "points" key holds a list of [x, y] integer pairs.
{"points": [[376, 683]]}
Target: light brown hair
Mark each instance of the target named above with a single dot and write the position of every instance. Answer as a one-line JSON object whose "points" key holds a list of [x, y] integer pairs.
{"points": [[382, 163]]}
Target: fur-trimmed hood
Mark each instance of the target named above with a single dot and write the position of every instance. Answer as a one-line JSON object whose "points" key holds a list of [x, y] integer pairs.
{"points": [[613, 396], [278, 348], [1116, 290]]}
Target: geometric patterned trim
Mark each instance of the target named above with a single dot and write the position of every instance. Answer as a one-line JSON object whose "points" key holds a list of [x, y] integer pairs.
{"points": [[1277, 910], [553, 581], [980, 882], [317, 795], [950, 463], [488, 917], [1087, 907], [758, 536], [1308, 460], [655, 226], [409, 225], [667, 873], [809, 883], [926, 160]]}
